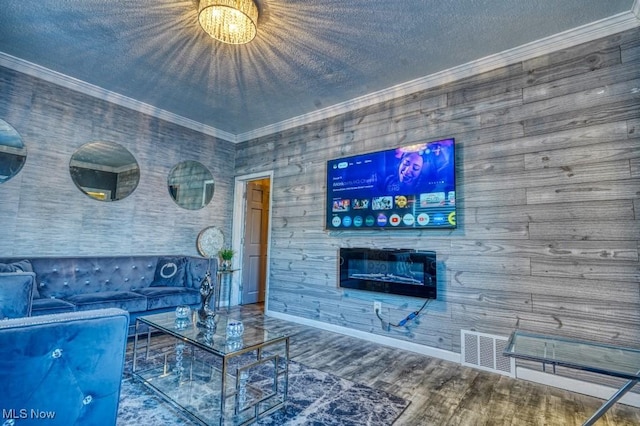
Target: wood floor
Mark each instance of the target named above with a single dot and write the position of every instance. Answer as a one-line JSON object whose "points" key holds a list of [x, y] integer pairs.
{"points": [[441, 392]]}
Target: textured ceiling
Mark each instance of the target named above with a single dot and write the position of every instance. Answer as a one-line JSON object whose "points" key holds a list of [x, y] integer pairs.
{"points": [[308, 54]]}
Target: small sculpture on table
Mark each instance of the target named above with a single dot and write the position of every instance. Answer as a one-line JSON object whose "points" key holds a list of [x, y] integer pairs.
{"points": [[207, 315]]}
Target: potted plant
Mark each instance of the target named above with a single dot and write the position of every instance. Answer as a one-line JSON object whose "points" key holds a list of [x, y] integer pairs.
{"points": [[226, 254]]}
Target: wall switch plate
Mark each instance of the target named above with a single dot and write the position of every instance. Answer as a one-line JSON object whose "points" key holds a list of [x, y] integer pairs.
{"points": [[377, 306]]}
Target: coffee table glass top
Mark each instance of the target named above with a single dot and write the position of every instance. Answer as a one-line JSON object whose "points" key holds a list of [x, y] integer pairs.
{"points": [[217, 341], [599, 358]]}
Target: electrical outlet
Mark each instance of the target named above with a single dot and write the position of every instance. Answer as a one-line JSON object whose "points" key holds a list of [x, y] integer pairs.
{"points": [[377, 306]]}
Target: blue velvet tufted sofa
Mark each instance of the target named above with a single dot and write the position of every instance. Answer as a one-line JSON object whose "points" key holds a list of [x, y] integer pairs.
{"points": [[137, 284], [63, 369]]}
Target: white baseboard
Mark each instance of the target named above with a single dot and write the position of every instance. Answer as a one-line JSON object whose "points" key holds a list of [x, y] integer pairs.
{"points": [[376, 338], [578, 386], [566, 383]]}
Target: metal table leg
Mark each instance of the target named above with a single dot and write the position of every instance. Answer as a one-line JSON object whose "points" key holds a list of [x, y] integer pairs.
{"points": [[616, 396]]}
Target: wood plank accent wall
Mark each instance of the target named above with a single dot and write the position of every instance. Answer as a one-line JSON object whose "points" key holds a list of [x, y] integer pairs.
{"points": [[548, 187], [43, 213]]}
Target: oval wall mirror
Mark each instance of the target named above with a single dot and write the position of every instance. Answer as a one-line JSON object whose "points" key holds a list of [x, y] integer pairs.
{"points": [[105, 171], [13, 153], [190, 185]]}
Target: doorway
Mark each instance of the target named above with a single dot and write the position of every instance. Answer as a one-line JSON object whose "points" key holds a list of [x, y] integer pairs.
{"points": [[251, 238]]}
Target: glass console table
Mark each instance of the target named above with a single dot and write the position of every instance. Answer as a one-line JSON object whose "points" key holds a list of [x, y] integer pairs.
{"points": [[224, 280], [608, 360]]}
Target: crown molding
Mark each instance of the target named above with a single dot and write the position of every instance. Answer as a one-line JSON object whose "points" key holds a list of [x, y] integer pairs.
{"points": [[605, 27], [71, 83]]}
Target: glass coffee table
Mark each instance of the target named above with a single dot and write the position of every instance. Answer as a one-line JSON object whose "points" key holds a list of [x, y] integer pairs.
{"points": [[609, 360], [212, 378]]}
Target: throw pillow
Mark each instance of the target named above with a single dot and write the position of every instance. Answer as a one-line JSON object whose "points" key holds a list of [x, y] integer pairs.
{"points": [[170, 272], [21, 266], [16, 295]]}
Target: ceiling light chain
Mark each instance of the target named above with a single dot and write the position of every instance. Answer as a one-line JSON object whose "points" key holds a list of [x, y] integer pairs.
{"points": [[230, 21]]}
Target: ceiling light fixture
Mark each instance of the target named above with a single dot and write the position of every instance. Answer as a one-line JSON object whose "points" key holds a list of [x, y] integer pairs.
{"points": [[230, 21]]}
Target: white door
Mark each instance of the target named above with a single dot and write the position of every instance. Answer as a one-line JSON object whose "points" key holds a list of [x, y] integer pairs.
{"points": [[254, 264]]}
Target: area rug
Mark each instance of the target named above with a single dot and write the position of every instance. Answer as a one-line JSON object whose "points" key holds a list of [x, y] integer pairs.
{"points": [[314, 398]]}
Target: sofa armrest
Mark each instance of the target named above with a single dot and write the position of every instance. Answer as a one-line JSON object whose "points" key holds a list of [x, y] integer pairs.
{"points": [[16, 294]]}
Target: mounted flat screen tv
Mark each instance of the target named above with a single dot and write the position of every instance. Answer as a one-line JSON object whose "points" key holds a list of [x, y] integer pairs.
{"points": [[409, 187]]}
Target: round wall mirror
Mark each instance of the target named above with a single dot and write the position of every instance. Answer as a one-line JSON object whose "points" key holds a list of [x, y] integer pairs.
{"points": [[190, 185], [13, 153], [104, 171]]}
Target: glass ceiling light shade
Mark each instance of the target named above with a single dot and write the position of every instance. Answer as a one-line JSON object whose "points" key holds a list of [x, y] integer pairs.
{"points": [[230, 21]]}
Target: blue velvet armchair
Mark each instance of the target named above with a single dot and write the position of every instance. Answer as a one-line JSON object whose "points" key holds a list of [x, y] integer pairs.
{"points": [[63, 369]]}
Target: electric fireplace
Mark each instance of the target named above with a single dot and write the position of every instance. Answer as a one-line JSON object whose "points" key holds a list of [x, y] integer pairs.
{"points": [[394, 271]]}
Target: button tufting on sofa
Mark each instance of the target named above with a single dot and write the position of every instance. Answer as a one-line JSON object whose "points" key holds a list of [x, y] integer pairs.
{"points": [[83, 389], [133, 283]]}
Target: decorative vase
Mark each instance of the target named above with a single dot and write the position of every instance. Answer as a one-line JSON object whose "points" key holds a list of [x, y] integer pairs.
{"points": [[235, 329], [225, 265], [183, 312]]}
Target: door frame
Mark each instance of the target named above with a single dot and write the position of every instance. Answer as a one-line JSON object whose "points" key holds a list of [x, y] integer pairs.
{"points": [[237, 226]]}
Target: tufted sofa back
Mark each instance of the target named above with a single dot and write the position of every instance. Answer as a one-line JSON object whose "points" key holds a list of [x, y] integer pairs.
{"points": [[61, 277]]}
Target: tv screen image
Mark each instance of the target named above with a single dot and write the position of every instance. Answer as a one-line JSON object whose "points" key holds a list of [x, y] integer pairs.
{"points": [[409, 187]]}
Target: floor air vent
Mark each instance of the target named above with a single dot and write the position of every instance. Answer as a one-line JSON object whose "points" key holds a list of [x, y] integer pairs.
{"points": [[484, 351]]}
